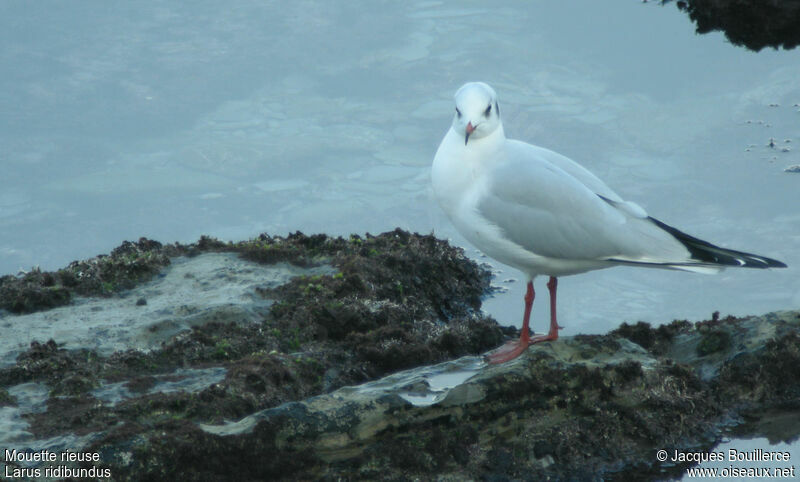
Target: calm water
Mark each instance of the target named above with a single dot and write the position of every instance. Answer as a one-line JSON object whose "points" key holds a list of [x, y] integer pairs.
{"points": [[171, 121]]}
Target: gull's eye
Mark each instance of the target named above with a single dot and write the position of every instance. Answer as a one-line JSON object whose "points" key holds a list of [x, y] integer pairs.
{"points": [[487, 111], [458, 112]]}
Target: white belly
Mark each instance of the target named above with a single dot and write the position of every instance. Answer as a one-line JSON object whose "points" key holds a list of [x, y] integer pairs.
{"points": [[490, 240]]}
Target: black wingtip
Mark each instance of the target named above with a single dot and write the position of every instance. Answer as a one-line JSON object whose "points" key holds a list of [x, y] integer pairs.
{"points": [[706, 252], [774, 263]]}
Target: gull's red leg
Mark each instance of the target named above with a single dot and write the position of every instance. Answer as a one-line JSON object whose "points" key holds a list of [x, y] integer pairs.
{"points": [[513, 349], [552, 286], [526, 329]]}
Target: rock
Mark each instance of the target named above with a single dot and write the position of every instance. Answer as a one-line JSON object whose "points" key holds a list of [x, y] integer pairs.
{"points": [[369, 367], [228, 329], [584, 406], [753, 23]]}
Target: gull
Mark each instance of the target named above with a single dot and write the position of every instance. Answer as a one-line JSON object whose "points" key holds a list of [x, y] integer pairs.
{"points": [[544, 214]]}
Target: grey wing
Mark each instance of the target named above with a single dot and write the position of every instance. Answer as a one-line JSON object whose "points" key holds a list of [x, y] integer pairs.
{"points": [[542, 208], [580, 173]]}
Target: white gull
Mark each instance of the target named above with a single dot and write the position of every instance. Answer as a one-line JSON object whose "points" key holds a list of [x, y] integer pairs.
{"points": [[544, 214]]}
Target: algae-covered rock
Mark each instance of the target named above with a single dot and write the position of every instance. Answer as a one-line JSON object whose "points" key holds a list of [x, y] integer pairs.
{"points": [[311, 357], [582, 407]]}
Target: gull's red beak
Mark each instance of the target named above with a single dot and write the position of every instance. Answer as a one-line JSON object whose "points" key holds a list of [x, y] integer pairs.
{"points": [[470, 130]]}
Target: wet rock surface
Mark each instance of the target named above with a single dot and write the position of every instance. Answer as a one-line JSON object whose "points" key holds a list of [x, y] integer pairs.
{"points": [[754, 24], [581, 408], [127, 265], [338, 312], [361, 359]]}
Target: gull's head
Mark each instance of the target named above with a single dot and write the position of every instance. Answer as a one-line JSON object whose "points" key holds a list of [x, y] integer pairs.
{"points": [[477, 114]]}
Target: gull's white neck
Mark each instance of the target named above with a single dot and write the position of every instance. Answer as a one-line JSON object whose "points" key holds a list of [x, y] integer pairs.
{"points": [[457, 167]]}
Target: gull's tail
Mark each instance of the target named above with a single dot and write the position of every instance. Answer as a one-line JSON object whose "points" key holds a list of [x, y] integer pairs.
{"points": [[705, 253]]}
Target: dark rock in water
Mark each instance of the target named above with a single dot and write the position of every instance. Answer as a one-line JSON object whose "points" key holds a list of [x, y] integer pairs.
{"points": [[126, 266], [753, 23], [340, 371], [5, 398], [359, 308], [580, 408]]}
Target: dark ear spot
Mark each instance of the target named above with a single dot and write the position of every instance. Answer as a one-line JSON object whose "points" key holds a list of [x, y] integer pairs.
{"points": [[497, 108], [458, 112]]}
